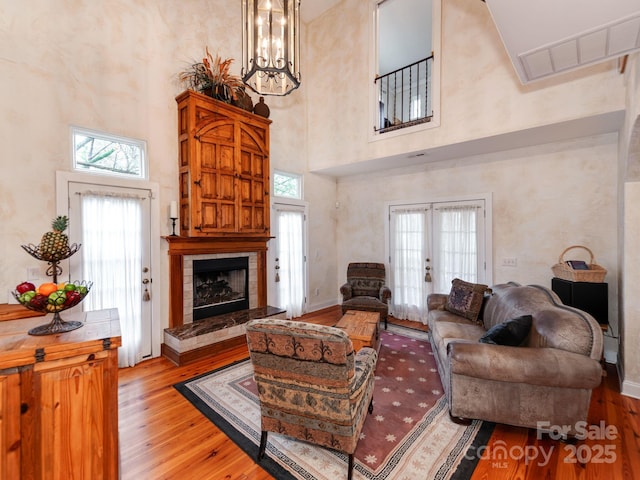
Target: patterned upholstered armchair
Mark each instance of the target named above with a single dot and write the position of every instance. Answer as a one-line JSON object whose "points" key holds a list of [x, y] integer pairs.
{"points": [[311, 384], [365, 289]]}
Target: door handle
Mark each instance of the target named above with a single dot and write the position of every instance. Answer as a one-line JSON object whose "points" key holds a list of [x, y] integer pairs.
{"points": [[146, 296], [427, 275]]}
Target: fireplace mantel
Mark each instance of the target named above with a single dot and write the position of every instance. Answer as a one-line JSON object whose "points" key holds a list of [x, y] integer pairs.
{"points": [[179, 247]]}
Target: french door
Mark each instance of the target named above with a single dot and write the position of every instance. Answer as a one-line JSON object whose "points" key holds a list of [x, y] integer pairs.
{"points": [[288, 258], [113, 225], [430, 244]]}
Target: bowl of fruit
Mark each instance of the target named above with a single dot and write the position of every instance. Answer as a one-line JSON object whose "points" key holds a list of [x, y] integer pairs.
{"points": [[53, 298]]}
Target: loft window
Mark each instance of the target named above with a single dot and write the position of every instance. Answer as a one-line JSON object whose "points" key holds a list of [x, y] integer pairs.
{"points": [[102, 153], [404, 62], [288, 185]]}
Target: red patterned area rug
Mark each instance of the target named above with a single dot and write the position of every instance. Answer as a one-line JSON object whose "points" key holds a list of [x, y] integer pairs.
{"points": [[409, 435]]}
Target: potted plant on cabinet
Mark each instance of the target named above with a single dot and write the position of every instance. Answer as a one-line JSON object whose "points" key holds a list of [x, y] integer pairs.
{"points": [[211, 77]]}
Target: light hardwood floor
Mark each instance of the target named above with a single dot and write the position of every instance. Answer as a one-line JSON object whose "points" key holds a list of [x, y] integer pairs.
{"points": [[162, 436]]}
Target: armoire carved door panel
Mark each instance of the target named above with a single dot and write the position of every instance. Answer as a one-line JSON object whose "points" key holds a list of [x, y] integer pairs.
{"points": [[254, 193], [225, 178], [214, 187]]}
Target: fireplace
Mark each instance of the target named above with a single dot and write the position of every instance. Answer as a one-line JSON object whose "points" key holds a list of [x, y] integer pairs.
{"points": [[184, 251], [220, 285], [186, 340]]}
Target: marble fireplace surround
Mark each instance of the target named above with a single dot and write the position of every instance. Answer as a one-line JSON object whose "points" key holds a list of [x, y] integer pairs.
{"points": [[182, 252], [187, 285], [186, 340]]}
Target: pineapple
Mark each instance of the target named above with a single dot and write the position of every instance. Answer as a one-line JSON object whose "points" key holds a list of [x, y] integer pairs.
{"points": [[55, 245]]}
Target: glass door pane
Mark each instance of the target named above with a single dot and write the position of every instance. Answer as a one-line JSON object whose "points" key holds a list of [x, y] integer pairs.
{"points": [[290, 259], [112, 224], [409, 258], [457, 241]]}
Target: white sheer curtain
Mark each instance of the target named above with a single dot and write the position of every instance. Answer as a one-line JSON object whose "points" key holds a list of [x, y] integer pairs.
{"points": [[112, 260], [409, 247], [455, 236], [291, 261]]}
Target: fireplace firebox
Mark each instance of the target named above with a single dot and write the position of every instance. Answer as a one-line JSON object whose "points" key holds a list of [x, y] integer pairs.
{"points": [[220, 286]]}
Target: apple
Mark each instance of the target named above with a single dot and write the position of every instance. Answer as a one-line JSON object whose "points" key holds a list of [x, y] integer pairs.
{"points": [[57, 298], [25, 287], [39, 301], [73, 298], [27, 296]]}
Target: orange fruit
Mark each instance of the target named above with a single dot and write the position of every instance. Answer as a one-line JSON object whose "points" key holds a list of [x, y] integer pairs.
{"points": [[61, 285], [47, 289]]}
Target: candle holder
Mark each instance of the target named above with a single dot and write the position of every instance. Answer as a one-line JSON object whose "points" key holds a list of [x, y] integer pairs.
{"points": [[173, 226]]}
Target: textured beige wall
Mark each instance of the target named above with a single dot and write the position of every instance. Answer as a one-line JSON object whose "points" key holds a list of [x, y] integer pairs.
{"points": [[545, 199], [113, 66], [630, 240], [481, 95], [84, 63]]}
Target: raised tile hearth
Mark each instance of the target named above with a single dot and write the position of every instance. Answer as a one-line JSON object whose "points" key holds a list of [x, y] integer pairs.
{"points": [[215, 329], [186, 340], [211, 335]]}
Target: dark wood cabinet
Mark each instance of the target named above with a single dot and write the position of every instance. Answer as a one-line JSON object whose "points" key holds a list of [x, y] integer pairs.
{"points": [[224, 168], [587, 296]]}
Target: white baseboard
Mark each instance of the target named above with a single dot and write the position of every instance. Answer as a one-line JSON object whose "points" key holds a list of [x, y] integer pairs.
{"points": [[627, 387], [630, 389], [319, 306]]}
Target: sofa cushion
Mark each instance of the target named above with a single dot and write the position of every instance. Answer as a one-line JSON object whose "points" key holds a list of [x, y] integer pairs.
{"points": [[466, 298], [446, 332], [511, 333], [366, 302]]}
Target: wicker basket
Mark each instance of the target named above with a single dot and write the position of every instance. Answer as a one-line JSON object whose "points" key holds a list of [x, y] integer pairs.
{"points": [[595, 274]]}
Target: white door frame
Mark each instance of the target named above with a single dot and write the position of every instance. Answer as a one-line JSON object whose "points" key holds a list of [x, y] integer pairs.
{"points": [[488, 221], [272, 250], [63, 179]]}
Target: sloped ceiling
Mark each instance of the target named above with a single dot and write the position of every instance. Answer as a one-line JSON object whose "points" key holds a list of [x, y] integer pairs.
{"points": [[549, 37]]}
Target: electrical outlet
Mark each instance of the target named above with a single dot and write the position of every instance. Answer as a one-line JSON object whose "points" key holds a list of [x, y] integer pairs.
{"points": [[317, 292], [33, 273], [509, 262]]}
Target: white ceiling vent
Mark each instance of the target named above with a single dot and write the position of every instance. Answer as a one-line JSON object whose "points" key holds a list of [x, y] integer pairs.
{"points": [[548, 37]]}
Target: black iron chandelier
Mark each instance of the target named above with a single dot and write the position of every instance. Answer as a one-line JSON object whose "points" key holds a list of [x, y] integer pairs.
{"points": [[271, 46]]}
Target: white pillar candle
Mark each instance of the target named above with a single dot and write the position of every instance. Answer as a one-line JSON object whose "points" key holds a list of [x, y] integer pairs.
{"points": [[173, 209]]}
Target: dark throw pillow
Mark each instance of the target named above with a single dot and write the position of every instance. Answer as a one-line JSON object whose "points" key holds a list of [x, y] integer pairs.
{"points": [[465, 299], [512, 332]]}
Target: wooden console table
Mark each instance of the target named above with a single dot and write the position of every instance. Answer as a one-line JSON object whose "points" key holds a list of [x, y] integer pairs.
{"points": [[363, 328], [15, 311], [59, 399]]}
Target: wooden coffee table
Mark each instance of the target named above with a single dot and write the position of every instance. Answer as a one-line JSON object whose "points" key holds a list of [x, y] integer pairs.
{"points": [[362, 328]]}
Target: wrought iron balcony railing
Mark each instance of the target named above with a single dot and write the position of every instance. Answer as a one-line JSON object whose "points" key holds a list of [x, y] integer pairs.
{"points": [[404, 96]]}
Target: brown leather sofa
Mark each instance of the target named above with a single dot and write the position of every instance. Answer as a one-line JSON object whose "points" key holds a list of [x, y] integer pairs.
{"points": [[543, 383]]}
